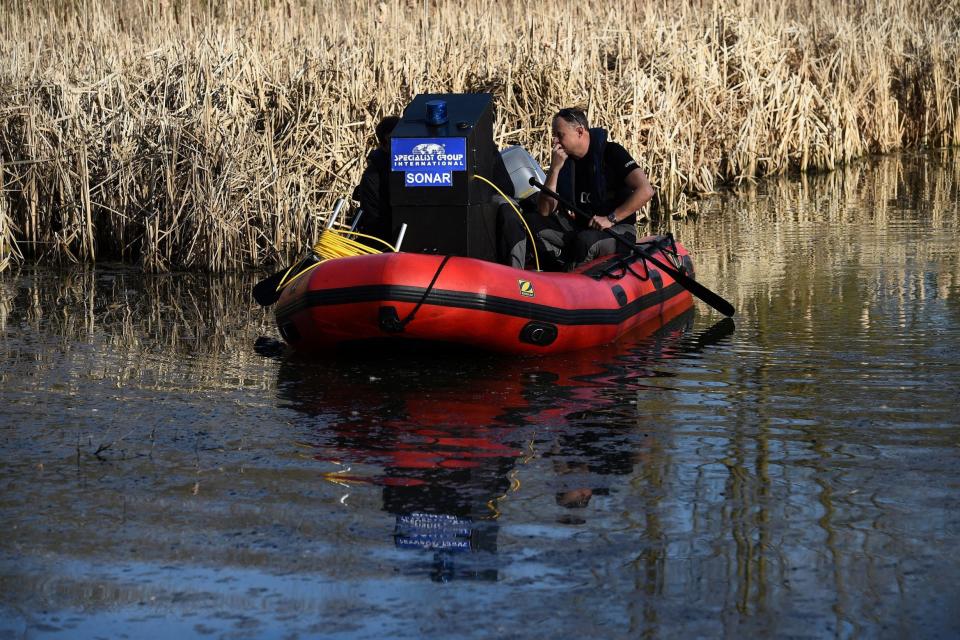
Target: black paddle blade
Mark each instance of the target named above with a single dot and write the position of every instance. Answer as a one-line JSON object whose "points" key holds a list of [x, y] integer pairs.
{"points": [[688, 283], [265, 292], [703, 293]]}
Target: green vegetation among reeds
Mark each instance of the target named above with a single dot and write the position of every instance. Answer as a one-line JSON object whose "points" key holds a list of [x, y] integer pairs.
{"points": [[216, 135]]}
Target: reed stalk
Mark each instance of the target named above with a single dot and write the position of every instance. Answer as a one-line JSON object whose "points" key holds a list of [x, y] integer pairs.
{"points": [[191, 134]]}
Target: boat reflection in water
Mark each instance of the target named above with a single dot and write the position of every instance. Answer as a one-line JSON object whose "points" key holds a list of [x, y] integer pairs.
{"points": [[443, 434]]}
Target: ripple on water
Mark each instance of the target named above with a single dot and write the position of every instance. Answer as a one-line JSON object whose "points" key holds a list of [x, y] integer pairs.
{"points": [[793, 472]]}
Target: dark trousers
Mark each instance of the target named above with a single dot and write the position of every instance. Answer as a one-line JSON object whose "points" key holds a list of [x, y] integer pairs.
{"points": [[559, 243]]}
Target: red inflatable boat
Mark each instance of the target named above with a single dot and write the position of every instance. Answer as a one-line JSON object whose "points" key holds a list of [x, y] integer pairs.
{"points": [[466, 301]]}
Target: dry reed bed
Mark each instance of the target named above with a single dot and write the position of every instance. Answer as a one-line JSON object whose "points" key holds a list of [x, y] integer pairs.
{"points": [[184, 135]]}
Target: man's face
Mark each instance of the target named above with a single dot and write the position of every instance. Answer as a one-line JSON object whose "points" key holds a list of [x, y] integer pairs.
{"points": [[574, 139]]}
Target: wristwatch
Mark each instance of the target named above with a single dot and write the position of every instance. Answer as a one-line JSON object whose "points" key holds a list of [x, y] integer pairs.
{"points": [[612, 218]]}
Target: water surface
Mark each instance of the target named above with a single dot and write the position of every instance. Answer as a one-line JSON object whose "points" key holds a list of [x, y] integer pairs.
{"points": [[794, 473]]}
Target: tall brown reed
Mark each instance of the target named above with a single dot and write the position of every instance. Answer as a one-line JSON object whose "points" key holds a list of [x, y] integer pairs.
{"points": [[190, 134]]}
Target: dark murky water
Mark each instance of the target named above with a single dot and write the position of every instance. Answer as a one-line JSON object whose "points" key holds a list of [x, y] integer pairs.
{"points": [[795, 475]]}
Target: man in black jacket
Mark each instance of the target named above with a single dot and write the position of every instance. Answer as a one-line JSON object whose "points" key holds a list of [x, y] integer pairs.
{"points": [[600, 177], [373, 191]]}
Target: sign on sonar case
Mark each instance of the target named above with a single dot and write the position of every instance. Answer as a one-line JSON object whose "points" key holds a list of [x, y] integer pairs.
{"points": [[428, 162]]}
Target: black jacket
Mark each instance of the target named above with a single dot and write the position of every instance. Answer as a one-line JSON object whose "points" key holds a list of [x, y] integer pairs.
{"points": [[373, 194]]}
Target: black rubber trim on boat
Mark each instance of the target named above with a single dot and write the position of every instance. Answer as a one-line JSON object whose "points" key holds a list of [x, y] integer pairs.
{"points": [[657, 278], [616, 261], [623, 262], [479, 302], [537, 333], [389, 321], [393, 324], [288, 331], [619, 294]]}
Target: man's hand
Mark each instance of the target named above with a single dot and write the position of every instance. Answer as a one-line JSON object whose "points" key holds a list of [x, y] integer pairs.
{"points": [[600, 222], [557, 157]]}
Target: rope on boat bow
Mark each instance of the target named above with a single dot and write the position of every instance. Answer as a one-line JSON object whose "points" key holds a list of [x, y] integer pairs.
{"points": [[333, 243]]}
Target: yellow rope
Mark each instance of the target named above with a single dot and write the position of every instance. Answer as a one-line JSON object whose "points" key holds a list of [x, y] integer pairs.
{"points": [[332, 244], [286, 280], [340, 244], [335, 243], [536, 258]]}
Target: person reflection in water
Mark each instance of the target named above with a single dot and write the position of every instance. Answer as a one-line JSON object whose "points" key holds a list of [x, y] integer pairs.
{"points": [[445, 455], [591, 450], [444, 458], [450, 512], [588, 460]]}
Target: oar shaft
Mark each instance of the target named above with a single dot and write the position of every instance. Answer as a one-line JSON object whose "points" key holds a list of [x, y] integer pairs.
{"points": [[682, 279]]}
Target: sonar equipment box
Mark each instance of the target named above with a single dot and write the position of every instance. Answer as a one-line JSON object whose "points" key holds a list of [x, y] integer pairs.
{"points": [[440, 144]]}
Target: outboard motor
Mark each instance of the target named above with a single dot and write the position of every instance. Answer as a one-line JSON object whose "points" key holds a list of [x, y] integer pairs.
{"points": [[521, 167], [440, 144]]}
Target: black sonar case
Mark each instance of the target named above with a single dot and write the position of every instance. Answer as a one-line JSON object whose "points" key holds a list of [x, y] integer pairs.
{"points": [[441, 142]]}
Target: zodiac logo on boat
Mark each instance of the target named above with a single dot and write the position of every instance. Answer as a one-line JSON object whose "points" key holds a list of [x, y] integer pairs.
{"points": [[526, 288]]}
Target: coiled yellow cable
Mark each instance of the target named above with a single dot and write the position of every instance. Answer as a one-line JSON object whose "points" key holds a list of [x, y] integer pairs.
{"points": [[341, 244], [335, 243]]}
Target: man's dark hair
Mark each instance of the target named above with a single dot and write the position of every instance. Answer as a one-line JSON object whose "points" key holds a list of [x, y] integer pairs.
{"points": [[574, 116], [384, 127]]}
